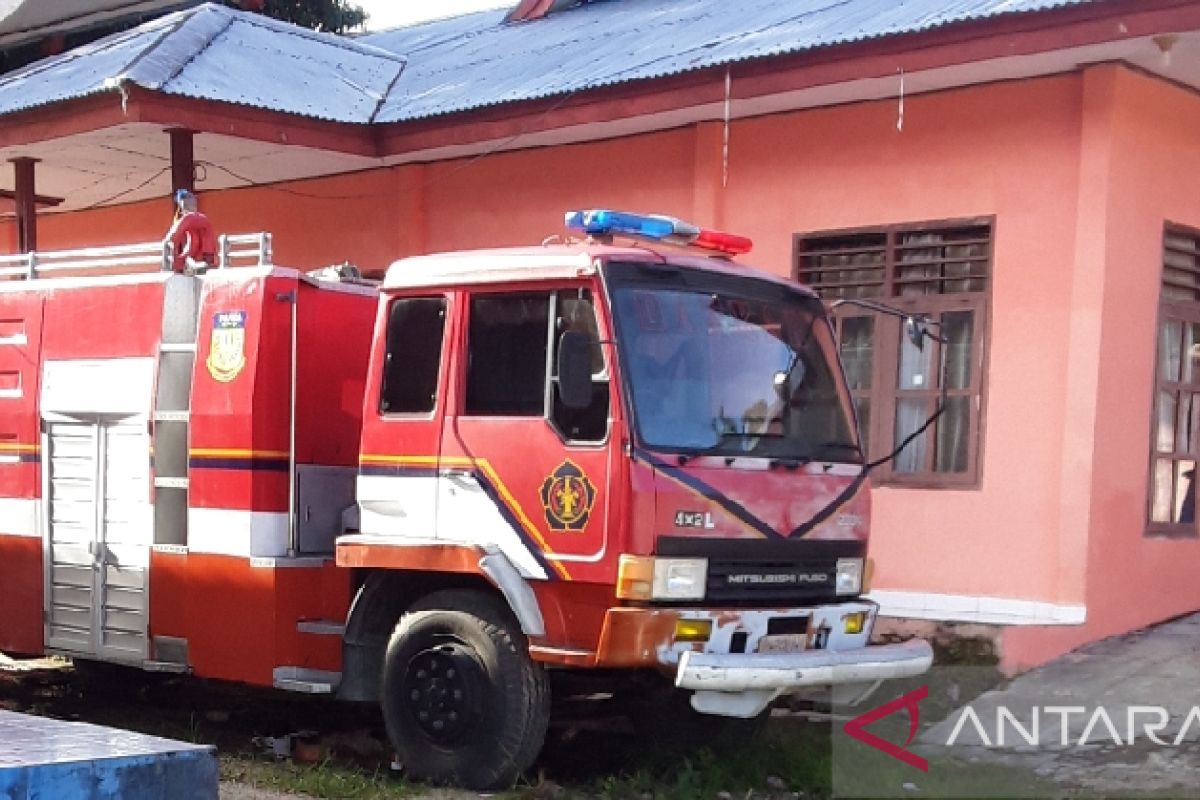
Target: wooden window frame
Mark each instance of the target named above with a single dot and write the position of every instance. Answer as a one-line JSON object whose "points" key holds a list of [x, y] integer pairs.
{"points": [[884, 393], [1185, 312]]}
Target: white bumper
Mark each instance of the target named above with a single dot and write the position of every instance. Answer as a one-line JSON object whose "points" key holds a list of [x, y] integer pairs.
{"points": [[743, 684]]}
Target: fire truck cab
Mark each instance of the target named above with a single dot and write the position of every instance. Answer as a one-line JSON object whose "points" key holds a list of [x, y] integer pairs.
{"points": [[637, 459], [499, 467]]}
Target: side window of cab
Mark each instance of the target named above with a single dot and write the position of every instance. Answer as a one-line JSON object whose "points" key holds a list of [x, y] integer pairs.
{"points": [[512, 352], [575, 311], [415, 333]]}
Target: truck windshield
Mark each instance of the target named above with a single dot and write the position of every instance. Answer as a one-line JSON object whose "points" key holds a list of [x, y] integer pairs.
{"points": [[719, 365]]}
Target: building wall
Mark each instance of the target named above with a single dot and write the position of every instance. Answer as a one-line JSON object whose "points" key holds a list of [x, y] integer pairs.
{"points": [[315, 222], [1078, 171], [1138, 158]]}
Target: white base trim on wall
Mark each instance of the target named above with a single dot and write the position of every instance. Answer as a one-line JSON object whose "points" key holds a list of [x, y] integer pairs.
{"points": [[982, 610]]}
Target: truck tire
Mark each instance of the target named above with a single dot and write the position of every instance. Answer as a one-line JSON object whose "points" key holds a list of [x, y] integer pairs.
{"points": [[462, 701]]}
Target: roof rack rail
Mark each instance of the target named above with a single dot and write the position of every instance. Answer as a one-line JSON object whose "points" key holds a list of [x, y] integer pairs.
{"points": [[236, 250]]}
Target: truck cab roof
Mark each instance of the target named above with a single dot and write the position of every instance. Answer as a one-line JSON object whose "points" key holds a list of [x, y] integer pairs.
{"points": [[548, 262]]}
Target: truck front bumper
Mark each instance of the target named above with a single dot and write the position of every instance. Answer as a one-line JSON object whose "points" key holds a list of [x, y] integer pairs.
{"points": [[744, 684]]}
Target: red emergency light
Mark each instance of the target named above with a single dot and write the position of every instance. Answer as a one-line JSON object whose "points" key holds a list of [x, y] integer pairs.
{"points": [[656, 228]]}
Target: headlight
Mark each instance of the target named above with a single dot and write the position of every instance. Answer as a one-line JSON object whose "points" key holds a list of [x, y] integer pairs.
{"points": [[849, 576], [649, 578]]}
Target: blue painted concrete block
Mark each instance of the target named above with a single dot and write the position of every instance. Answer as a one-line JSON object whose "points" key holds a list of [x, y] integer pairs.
{"points": [[49, 759]]}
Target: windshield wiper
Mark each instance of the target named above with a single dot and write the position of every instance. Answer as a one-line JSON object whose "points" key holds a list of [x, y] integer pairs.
{"points": [[715, 448], [840, 446], [821, 450]]}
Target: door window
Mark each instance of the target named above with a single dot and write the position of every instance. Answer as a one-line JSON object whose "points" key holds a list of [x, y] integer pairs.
{"points": [[506, 355], [575, 311], [512, 346]]}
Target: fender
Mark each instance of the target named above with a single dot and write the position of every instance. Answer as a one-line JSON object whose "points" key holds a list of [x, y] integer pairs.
{"points": [[406, 570]]}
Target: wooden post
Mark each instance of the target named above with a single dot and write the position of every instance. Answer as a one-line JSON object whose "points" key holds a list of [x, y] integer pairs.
{"points": [[26, 200], [183, 159]]}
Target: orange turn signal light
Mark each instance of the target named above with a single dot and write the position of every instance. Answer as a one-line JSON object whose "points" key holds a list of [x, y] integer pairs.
{"points": [[635, 577]]}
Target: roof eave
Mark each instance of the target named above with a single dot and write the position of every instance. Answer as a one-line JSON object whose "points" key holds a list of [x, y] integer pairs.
{"points": [[958, 44]]}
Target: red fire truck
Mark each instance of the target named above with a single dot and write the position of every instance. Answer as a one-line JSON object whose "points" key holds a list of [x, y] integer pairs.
{"points": [[497, 468]]}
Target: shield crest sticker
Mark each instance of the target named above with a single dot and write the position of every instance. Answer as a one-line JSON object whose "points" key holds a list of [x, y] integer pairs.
{"points": [[227, 354], [568, 495]]}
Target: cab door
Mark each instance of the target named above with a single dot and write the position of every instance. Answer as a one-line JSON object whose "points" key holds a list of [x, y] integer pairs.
{"points": [[402, 423], [520, 470]]}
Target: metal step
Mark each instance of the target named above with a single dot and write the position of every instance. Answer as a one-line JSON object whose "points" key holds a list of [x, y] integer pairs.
{"points": [[321, 627], [305, 680]]}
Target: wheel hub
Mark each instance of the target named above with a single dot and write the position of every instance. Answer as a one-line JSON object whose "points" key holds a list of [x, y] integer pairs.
{"points": [[439, 688]]}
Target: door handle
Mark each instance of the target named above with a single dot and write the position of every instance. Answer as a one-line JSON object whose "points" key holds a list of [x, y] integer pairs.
{"points": [[454, 473]]}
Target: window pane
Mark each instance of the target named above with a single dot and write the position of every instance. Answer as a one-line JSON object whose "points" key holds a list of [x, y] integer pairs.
{"points": [[856, 348], [1185, 496], [506, 342], [1188, 416], [1165, 439], [1168, 350], [910, 415], [915, 366], [1191, 351], [576, 313], [953, 427], [414, 355], [1160, 508], [958, 328], [862, 406]]}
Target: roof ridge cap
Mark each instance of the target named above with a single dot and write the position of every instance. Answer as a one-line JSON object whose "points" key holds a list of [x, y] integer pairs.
{"points": [[323, 37], [185, 17]]}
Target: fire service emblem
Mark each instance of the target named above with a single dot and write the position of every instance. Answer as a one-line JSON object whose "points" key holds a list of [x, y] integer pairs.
{"points": [[227, 355], [567, 497]]}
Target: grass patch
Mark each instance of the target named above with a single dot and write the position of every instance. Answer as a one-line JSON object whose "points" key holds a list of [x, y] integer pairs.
{"points": [[324, 780]]}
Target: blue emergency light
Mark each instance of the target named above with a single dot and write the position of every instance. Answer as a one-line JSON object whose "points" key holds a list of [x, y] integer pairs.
{"points": [[657, 228]]}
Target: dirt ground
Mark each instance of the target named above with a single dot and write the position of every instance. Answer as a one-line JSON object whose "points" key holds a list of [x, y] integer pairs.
{"points": [[236, 719]]}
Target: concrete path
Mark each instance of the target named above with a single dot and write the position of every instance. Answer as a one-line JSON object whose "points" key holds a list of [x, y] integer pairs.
{"points": [[1117, 718]]}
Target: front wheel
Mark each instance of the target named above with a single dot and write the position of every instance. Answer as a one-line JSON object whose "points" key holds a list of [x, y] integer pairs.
{"points": [[463, 702]]}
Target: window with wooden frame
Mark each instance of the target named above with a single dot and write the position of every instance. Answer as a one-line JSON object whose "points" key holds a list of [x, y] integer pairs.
{"points": [[940, 270], [1175, 427]]}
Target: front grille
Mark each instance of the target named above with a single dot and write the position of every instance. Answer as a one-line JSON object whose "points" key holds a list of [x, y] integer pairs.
{"points": [[766, 572], [738, 582]]}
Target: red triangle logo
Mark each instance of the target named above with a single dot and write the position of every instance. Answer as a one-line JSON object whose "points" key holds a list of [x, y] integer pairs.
{"points": [[857, 727]]}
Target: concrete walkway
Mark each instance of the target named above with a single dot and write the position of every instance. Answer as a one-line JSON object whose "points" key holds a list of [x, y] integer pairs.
{"points": [[1118, 718]]}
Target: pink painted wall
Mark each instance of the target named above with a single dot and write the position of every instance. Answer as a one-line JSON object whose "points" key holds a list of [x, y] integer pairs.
{"points": [[315, 222], [1079, 172], [1140, 158]]}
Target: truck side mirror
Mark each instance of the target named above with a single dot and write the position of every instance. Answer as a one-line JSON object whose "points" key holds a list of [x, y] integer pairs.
{"points": [[575, 369]]}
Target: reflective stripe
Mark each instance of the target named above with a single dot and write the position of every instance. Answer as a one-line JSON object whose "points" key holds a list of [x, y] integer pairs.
{"points": [[235, 532], [457, 508]]}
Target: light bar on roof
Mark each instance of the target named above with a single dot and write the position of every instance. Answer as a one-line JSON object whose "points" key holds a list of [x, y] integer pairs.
{"points": [[656, 228]]}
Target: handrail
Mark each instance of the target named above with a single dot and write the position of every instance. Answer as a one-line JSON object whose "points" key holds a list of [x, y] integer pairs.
{"points": [[250, 249]]}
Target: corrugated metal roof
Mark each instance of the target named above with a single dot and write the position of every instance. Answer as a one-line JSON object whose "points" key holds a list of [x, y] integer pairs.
{"points": [[472, 61], [215, 53], [477, 60]]}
